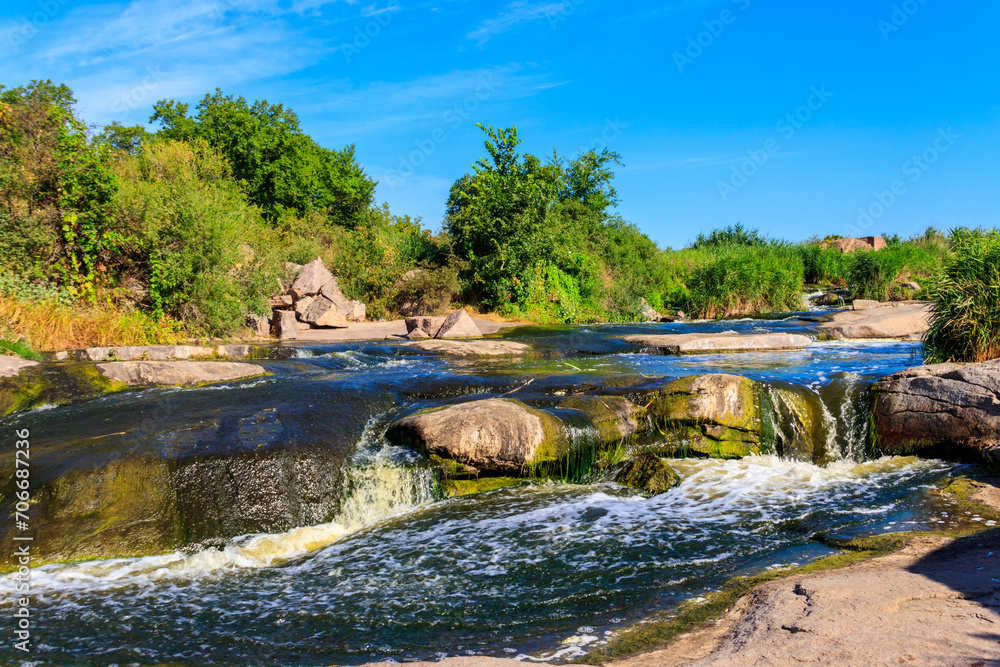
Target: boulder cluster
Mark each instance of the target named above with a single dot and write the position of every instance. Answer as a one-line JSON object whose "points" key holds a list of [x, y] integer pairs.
{"points": [[455, 325], [312, 300]]}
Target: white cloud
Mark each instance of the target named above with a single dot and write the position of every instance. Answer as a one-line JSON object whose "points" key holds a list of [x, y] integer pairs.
{"points": [[516, 14]]}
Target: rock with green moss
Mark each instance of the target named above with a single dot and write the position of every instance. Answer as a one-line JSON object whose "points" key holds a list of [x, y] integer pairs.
{"points": [[614, 417], [47, 384], [648, 472], [468, 487], [492, 436], [714, 415]]}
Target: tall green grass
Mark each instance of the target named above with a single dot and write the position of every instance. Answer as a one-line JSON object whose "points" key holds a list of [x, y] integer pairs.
{"points": [[743, 280], [965, 325]]}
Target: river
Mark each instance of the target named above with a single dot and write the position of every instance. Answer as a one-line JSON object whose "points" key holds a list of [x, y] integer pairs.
{"points": [[393, 572]]}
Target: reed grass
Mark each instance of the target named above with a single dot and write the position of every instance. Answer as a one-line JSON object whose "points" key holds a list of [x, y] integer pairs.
{"points": [[745, 280], [965, 323]]}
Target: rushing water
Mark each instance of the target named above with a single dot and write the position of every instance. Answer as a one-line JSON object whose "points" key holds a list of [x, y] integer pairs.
{"points": [[539, 571]]}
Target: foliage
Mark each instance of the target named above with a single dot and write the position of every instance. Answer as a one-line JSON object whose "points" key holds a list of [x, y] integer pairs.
{"points": [[872, 274], [742, 280], [734, 235], [14, 285], [56, 326], [206, 254], [965, 324], [823, 266], [56, 221], [123, 140], [280, 166]]}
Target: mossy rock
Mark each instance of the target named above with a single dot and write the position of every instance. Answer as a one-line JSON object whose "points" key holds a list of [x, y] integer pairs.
{"points": [[53, 384], [468, 487], [614, 417], [648, 472], [707, 415]]}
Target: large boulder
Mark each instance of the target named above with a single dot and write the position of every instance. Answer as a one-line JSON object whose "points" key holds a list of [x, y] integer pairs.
{"points": [[322, 312], [614, 417], [171, 373], [942, 409], [311, 279], [711, 415], [493, 436], [710, 343], [648, 472], [853, 245], [428, 324], [908, 320], [458, 325]]}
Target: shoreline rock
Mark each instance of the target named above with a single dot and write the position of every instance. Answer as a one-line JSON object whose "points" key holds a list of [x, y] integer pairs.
{"points": [[907, 320], [940, 408], [12, 366], [470, 348]]}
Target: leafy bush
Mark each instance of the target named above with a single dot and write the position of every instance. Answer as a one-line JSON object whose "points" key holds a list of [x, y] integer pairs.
{"points": [[208, 256], [40, 290], [747, 280], [965, 324]]}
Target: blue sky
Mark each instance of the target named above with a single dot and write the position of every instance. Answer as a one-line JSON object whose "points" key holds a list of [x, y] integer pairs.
{"points": [[797, 118]]}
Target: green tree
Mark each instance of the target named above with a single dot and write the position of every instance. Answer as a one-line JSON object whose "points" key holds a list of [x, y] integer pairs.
{"points": [[282, 167], [121, 139], [56, 187]]}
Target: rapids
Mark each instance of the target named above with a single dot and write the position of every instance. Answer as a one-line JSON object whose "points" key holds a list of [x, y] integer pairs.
{"points": [[540, 571]]}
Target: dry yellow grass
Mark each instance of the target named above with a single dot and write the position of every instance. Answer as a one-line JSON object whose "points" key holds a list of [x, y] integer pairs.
{"points": [[48, 326]]}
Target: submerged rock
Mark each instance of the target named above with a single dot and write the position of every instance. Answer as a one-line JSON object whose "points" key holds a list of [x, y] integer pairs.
{"points": [[944, 409], [715, 343], [492, 435], [713, 415], [648, 472], [171, 373]]}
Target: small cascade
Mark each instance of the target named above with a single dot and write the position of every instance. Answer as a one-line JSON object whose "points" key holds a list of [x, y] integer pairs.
{"points": [[380, 481], [821, 424]]}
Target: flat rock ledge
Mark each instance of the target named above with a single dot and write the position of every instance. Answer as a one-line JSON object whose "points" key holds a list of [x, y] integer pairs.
{"points": [[162, 352], [908, 321], [471, 348], [174, 373], [11, 366], [950, 408], [722, 342]]}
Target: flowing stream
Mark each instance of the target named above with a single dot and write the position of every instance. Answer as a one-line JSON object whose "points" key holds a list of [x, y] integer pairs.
{"points": [[537, 571]]}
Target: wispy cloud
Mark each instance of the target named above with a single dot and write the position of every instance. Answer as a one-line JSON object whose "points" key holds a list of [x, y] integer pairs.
{"points": [[515, 14]]}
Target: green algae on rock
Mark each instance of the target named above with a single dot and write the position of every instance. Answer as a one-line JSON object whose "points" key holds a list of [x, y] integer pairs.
{"points": [[710, 415], [648, 472]]}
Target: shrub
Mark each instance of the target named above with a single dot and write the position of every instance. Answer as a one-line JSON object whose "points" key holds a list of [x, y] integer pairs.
{"points": [[965, 324], [747, 280], [734, 235], [207, 254]]}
